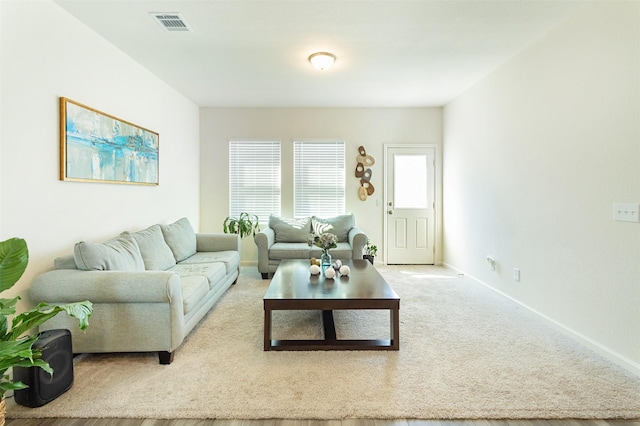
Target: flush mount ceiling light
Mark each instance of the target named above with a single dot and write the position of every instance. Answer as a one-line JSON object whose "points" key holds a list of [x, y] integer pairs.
{"points": [[322, 60]]}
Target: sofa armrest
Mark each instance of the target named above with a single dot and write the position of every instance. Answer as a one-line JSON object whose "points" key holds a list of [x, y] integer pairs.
{"points": [[358, 240], [68, 286], [217, 242], [264, 240]]}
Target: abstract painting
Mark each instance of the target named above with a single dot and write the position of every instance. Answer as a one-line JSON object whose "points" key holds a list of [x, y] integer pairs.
{"points": [[98, 147]]}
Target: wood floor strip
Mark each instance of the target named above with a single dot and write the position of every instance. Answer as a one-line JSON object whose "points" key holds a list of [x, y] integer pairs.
{"points": [[289, 422]]}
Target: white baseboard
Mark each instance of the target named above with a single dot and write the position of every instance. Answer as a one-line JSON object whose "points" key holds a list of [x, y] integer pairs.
{"points": [[609, 354]]}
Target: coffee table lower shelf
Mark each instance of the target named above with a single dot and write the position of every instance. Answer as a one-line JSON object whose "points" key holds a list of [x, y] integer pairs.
{"points": [[330, 341]]}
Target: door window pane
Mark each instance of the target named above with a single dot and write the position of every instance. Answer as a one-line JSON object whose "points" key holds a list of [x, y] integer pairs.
{"points": [[410, 181]]}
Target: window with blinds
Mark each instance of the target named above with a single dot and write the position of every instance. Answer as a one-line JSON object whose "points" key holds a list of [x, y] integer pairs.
{"points": [[254, 178], [318, 178]]}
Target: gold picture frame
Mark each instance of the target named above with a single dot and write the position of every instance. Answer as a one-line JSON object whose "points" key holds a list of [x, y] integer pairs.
{"points": [[98, 147]]}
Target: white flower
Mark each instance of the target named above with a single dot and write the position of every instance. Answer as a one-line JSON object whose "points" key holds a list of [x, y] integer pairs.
{"points": [[326, 241]]}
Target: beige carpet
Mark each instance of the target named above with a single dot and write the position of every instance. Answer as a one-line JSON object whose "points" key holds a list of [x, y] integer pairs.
{"points": [[464, 353]]}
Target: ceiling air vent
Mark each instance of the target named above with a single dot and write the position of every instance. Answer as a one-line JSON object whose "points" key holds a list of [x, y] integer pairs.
{"points": [[171, 22]]}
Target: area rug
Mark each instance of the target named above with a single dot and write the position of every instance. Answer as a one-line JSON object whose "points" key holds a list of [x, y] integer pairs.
{"points": [[465, 353]]}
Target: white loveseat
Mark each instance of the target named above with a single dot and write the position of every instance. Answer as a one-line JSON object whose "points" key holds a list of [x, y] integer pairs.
{"points": [[149, 288]]}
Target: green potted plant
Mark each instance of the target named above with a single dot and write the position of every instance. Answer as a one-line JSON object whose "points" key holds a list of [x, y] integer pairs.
{"points": [[243, 225], [16, 347], [370, 251]]}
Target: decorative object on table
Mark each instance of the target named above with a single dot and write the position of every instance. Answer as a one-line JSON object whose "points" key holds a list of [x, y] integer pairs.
{"points": [[345, 270], [16, 347], [311, 238], [336, 264], [244, 224], [364, 174], [330, 273], [314, 261], [314, 269], [98, 147], [325, 241], [325, 260], [370, 251]]}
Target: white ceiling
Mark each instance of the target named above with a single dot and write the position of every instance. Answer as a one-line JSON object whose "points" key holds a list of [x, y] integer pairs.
{"points": [[390, 53]]}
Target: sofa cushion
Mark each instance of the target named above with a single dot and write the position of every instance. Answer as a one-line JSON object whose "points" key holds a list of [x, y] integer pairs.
{"points": [[289, 230], [212, 271], [230, 258], [282, 251], [65, 262], [194, 289], [338, 225], [155, 252], [119, 254], [181, 238]]}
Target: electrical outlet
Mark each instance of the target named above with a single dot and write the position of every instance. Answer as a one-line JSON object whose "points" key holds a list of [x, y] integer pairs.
{"points": [[516, 274], [626, 212]]}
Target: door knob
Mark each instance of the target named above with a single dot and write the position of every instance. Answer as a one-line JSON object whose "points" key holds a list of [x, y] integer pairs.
{"points": [[390, 211]]}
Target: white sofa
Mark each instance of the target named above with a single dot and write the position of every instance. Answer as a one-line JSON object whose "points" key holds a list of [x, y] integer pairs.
{"points": [[286, 238], [148, 288]]}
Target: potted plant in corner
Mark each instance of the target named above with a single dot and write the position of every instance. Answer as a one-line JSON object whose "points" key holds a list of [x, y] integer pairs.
{"points": [[16, 347], [243, 225], [370, 251]]}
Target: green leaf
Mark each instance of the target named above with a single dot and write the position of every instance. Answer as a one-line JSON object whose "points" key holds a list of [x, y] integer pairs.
{"points": [[243, 225], [14, 256], [9, 385], [8, 306], [22, 354], [44, 311]]}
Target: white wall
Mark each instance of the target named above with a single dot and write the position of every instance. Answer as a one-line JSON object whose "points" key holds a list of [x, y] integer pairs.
{"points": [[46, 53], [534, 158], [369, 127]]}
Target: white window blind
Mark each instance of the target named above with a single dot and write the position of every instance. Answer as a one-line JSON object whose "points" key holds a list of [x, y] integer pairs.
{"points": [[318, 178], [254, 178]]}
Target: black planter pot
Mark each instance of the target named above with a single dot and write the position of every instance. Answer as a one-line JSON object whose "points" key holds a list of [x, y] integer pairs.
{"points": [[369, 258]]}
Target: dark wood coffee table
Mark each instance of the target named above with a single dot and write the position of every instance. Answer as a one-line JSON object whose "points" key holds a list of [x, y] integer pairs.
{"points": [[294, 288]]}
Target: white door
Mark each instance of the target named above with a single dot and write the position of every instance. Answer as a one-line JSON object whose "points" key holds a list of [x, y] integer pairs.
{"points": [[410, 205]]}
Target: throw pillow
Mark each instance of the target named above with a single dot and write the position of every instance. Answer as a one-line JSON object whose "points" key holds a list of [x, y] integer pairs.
{"points": [[290, 230], [339, 225], [155, 252], [119, 254], [181, 238]]}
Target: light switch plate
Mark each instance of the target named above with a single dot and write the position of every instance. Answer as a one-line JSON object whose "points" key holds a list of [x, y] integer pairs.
{"points": [[626, 212]]}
